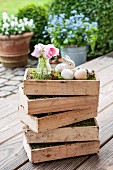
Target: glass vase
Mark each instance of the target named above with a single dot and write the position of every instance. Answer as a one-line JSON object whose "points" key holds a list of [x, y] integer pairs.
{"points": [[43, 67]]}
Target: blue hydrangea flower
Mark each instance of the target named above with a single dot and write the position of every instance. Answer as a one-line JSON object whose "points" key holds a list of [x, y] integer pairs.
{"points": [[50, 17], [85, 37], [45, 28], [43, 32], [73, 12], [81, 15], [62, 15], [64, 30], [95, 24], [86, 19]]}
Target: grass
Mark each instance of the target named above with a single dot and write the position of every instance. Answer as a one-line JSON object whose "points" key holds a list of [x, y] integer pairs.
{"points": [[12, 6]]}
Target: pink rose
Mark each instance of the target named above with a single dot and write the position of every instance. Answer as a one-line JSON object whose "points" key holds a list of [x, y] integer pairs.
{"points": [[50, 51], [38, 51]]}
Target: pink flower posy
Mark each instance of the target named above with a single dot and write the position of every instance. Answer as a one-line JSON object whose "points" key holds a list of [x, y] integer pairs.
{"points": [[47, 51]]}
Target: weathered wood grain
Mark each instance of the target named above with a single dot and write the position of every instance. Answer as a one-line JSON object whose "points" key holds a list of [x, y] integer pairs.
{"points": [[54, 121], [13, 129], [56, 104], [98, 64], [65, 134], [60, 87], [102, 161], [60, 151], [12, 154]]}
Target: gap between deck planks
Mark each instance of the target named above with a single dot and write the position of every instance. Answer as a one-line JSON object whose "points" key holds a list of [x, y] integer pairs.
{"points": [[106, 65]]}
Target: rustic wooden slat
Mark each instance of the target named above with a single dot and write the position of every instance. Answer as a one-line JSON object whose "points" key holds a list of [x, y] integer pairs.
{"points": [[105, 75], [10, 118], [60, 87], [57, 104], [105, 121], [98, 64], [54, 121], [65, 134], [12, 130], [61, 151], [7, 110], [102, 161], [12, 153]]}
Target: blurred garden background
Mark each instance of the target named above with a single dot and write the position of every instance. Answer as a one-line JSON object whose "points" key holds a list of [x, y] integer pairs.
{"points": [[12, 6], [39, 10]]}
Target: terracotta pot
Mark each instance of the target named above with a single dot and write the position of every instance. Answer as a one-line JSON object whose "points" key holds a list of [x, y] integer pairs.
{"points": [[14, 49]]}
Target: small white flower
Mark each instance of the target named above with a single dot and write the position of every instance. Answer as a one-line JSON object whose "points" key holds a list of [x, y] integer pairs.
{"points": [[7, 33], [16, 23], [20, 20], [16, 28], [23, 29], [6, 25], [12, 23], [5, 15], [25, 19], [12, 16], [16, 19]]}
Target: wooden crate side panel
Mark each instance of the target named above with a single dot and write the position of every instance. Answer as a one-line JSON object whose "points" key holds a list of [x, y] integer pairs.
{"points": [[61, 104], [23, 99], [27, 148], [65, 151], [66, 134], [61, 87], [65, 118], [31, 121], [56, 120]]}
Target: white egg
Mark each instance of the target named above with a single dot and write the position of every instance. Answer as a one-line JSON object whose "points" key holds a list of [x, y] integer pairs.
{"points": [[81, 74], [67, 74]]}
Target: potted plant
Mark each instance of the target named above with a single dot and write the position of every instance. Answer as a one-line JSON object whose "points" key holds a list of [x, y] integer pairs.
{"points": [[73, 34], [15, 35]]}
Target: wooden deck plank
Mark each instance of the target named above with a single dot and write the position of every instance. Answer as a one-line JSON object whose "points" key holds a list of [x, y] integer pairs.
{"points": [[98, 64], [10, 118], [14, 129], [102, 161], [106, 95], [71, 163], [12, 153]]}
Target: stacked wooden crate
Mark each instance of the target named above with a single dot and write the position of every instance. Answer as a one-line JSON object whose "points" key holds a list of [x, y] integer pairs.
{"points": [[56, 113]]}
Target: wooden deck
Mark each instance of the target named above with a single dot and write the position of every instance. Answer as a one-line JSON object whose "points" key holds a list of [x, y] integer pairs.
{"points": [[12, 154]]}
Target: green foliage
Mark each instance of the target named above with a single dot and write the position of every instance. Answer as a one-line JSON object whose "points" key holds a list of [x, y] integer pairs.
{"points": [[53, 76], [100, 11], [39, 16]]}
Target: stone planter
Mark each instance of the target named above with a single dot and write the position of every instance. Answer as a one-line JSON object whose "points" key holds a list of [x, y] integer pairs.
{"points": [[77, 54], [14, 49]]}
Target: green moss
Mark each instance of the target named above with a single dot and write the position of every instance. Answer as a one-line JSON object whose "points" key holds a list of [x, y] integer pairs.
{"points": [[32, 74], [91, 77], [89, 122], [44, 145]]}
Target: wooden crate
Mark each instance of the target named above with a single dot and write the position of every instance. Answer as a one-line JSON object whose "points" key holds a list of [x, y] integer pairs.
{"points": [[43, 152], [64, 134], [60, 87], [49, 122], [57, 104]]}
